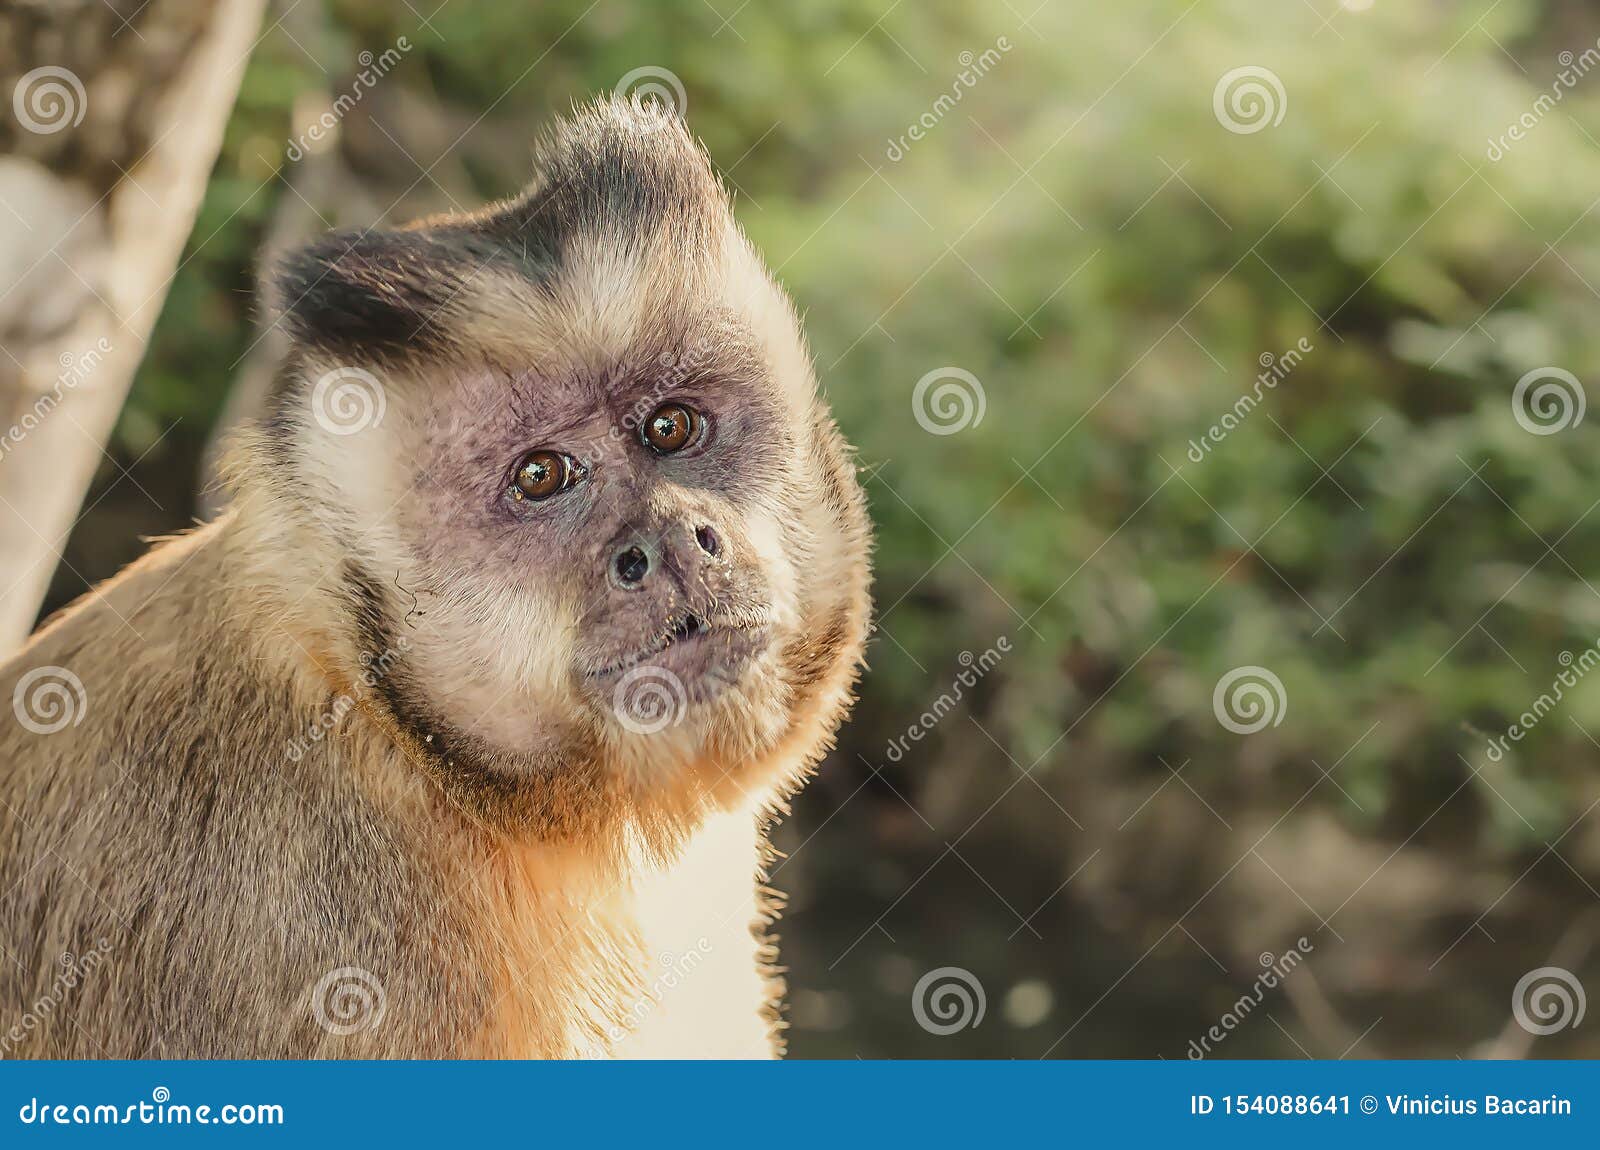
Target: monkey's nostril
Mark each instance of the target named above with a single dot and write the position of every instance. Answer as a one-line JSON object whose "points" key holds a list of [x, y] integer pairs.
{"points": [[632, 565], [707, 538]]}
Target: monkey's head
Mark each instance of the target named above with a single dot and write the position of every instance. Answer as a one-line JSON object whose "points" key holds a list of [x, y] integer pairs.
{"points": [[570, 485]]}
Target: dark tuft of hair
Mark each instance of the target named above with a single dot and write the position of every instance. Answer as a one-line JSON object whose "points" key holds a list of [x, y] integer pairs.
{"points": [[387, 293], [620, 170]]}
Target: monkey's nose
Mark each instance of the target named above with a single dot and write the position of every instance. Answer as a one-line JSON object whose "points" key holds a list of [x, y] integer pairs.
{"points": [[630, 566]]}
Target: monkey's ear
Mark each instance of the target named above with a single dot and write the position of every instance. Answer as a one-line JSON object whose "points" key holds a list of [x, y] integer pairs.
{"points": [[375, 295]]}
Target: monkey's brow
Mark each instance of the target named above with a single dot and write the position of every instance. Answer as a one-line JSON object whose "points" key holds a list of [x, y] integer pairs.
{"points": [[715, 348], [555, 408], [551, 406]]}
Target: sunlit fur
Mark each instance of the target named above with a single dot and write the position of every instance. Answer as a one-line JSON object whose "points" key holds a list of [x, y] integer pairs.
{"points": [[471, 824]]}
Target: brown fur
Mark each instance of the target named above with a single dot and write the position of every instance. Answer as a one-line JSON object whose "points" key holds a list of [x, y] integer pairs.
{"points": [[483, 879]]}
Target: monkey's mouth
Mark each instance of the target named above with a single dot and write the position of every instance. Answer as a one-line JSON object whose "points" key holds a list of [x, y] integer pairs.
{"points": [[696, 650]]}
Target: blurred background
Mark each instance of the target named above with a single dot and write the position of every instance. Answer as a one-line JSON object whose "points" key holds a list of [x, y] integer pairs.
{"points": [[1217, 373]]}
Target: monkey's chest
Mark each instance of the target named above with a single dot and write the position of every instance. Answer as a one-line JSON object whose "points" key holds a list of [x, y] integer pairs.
{"points": [[669, 967], [706, 992]]}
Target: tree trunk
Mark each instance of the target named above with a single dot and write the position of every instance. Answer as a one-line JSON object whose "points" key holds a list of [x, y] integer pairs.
{"points": [[111, 117]]}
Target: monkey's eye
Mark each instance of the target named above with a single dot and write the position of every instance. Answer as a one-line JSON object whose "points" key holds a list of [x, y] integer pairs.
{"points": [[545, 473], [671, 427]]}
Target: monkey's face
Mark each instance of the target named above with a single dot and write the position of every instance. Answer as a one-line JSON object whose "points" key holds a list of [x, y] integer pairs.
{"points": [[604, 512], [683, 578], [615, 539]]}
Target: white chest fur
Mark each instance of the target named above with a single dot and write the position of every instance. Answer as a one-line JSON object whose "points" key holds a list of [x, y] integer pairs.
{"points": [[705, 992]]}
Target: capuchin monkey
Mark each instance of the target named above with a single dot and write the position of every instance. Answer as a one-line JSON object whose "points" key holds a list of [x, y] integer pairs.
{"points": [[543, 584]]}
